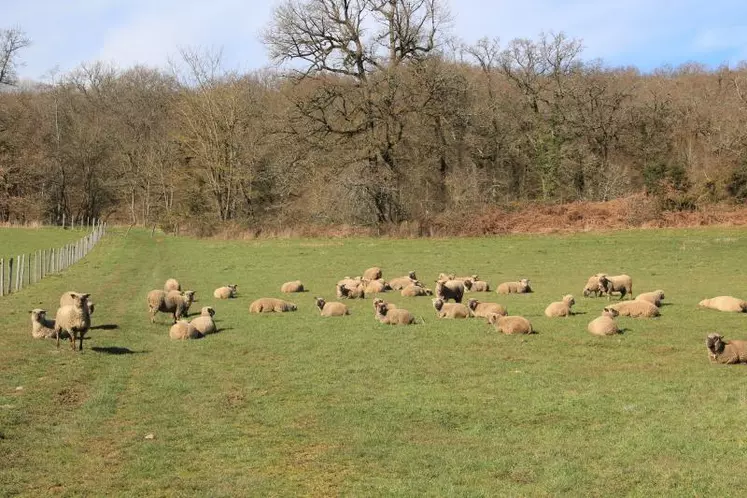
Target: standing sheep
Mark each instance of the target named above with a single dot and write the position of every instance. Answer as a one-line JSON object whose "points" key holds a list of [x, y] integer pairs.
{"points": [[204, 323], [226, 292], [68, 299], [294, 286], [270, 304], [561, 308], [729, 352], [373, 273], [484, 309], [654, 297], [41, 326], [450, 289], [400, 283], [174, 302], [605, 324], [451, 310], [520, 287], [396, 316], [415, 291], [73, 320], [182, 330], [725, 303], [636, 309], [331, 308], [510, 324], [618, 283], [172, 284]]}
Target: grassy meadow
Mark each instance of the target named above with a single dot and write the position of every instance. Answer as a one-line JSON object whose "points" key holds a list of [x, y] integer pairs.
{"points": [[15, 241], [296, 404]]}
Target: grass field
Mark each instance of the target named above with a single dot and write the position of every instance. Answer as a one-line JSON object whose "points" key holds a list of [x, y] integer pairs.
{"points": [[15, 241], [297, 404]]}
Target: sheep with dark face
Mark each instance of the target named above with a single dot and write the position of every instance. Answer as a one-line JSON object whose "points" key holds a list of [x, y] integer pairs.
{"points": [[451, 310], [347, 292], [450, 289], [482, 310], [521, 287], [728, 352], [73, 320], [331, 308], [622, 284]]}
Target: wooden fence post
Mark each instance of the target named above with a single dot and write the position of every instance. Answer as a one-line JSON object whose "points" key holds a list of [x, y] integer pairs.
{"points": [[2, 277]]}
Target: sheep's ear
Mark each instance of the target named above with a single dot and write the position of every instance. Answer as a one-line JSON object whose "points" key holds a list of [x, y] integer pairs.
{"points": [[85, 296]]}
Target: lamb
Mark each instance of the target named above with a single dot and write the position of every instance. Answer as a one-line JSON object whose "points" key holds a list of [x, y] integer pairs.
{"points": [[451, 310], [270, 304], [413, 290], [226, 292], [561, 308], [725, 303], [68, 299], [520, 287], [294, 286], [400, 283], [484, 309], [357, 292], [654, 297], [619, 283], [175, 302], [393, 316], [204, 323], [373, 273], [729, 352], [636, 309], [332, 308], [172, 284], [41, 326], [73, 320], [450, 289], [592, 286], [182, 330], [510, 324], [605, 324]]}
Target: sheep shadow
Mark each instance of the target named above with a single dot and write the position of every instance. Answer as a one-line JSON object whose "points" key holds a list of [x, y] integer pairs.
{"points": [[115, 350], [108, 326]]}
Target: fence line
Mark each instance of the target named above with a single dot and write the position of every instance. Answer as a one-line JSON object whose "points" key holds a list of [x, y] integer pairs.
{"points": [[27, 269]]}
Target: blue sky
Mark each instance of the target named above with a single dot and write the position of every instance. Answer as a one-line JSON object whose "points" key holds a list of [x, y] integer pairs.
{"points": [[643, 33]]}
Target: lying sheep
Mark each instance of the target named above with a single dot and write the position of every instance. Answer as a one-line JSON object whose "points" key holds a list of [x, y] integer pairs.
{"points": [[73, 320], [68, 299], [226, 292], [377, 301], [294, 286], [41, 326], [479, 286], [482, 310], [175, 302], [451, 310], [172, 284], [654, 297], [561, 308], [510, 324], [520, 287], [605, 324], [415, 291], [450, 289], [375, 286], [345, 292], [182, 330], [729, 352], [270, 304], [636, 309], [725, 303], [373, 273], [350, 282], [618, 283], [592, 286], [332, 308], [393, 316], [204, 323], [400, 283]]}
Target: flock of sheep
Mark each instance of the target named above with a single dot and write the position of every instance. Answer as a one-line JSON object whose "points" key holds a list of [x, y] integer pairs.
{"points": [[73, 318]]}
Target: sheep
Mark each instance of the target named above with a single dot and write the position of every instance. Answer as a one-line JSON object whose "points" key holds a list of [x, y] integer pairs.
{"points": [[654, 297], [479, 286], [172, 284], [375, 286], [446, 276], [393, 316], [510, 324], [520, 287], [41, 326], [68, 299], [378, 300], [226, 292], [182, 330], [450, 289], [373, 273], [725, 303], [618, 283], [592, 286], [636, 309], [357, 292], [729, 352], [331, 308], [204, 323], [294, 286], [270, 304], [605, 324], [483, 309], [400, 283], [413, 290], [561, 308], [175, 302], [451, 310], [73, 320], [350, 282]]}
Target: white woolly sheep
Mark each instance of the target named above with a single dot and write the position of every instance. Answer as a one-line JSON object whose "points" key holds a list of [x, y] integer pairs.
{"points": [[450, 289], [400, 283], [182, 330], [375, 286], [270, 304], [510, 324], [479, 286], [73, 320], [204, 323], [226, 292], [605, 324], [377, 301], [41, 326], [654, 297], [415, 291], [622, 284], [172, 284], [636, 309], [446, 276], [332, 308], [560, 308], [521, 287], [175, 302], [451, 310], [725, 303], [68, 299], [393, 316], [357, 292], [728, 352], [372, 273], [482, 310], [294, 286], [592, 286]]}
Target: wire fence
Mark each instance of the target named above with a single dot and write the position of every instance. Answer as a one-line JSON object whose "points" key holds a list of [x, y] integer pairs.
{"points": [[27, 269]]}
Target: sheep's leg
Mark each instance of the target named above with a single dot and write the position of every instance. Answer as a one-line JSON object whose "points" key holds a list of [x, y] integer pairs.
{"points": [[57, 332], [72, 340], [81, 342]]}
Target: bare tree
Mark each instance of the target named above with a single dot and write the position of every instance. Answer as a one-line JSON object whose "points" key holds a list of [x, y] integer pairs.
{"points": [[12, 41]]}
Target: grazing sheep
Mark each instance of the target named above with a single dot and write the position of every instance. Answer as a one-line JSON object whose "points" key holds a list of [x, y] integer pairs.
{"points": [[400, 283], [172, 284], [183, 330], [375, 286], [636, 309], [520, 287], [415, 291], [372, 273], [484, 309], [561, 308], [227, 292], [73, 320], [41, 326], [204, 323], [729, 352], [618, 283], [654, 297], [451, 310], [605, 324], [175, 302], [510, 324], [450, 289], [592, 286], [357, 292], [68, 299], [332, 308], [393, 316], [270, 304], [725, 303], [294, 286]]}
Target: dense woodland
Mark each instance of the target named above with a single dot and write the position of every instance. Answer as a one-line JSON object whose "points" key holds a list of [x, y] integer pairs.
{"points": [[373, 115]]}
